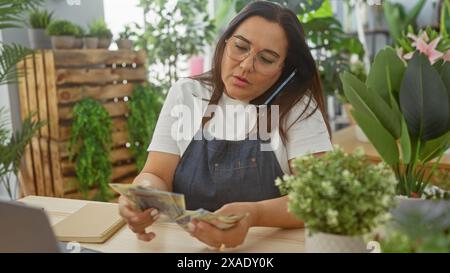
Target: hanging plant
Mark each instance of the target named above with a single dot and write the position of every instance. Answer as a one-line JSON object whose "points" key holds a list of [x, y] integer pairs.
{"points": [[90, 144], [145, 105]]}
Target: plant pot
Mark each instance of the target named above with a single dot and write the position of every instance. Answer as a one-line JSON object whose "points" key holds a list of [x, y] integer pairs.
{"points": [[62, 42], [39, 39], [124, 44], [360, 135], [104, 42], [78, 43], [91, 42], [331, 243]]}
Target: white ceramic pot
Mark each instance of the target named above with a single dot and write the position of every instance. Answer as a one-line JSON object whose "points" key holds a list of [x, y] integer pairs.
{"points": [[331, 243], [360, 135]]}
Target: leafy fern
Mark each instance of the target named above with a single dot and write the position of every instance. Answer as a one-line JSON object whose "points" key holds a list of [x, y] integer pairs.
{"points": [[145, 105], [91, 143]]}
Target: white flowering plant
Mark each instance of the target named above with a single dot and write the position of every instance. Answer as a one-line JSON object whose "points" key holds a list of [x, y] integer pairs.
{"points": [[339, 193]]}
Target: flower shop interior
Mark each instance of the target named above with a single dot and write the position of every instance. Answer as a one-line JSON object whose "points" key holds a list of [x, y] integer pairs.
{"points": [[82, 84]]}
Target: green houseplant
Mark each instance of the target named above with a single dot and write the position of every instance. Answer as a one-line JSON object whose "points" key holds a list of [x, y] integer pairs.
{"points": [[403, 109], [164, 44], [124, 41], [90, 143], [62, 34], [79, 37], [38, 21], [100, 30], [340, 197], [398, 19], [12, 144], [145, 105]]}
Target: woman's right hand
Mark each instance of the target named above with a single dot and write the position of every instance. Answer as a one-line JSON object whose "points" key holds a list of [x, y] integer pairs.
{"points": [[138, 220]]}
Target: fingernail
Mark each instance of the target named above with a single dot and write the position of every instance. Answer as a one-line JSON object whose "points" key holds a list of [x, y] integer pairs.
{"points": [[155, 217], [191, 227], [154, 212]]}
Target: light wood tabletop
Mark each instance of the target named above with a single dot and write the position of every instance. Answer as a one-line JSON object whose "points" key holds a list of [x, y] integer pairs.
{"points": [[169, 236]]}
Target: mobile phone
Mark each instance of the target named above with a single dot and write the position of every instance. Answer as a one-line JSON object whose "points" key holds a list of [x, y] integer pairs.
{"points": [[280, 88]]}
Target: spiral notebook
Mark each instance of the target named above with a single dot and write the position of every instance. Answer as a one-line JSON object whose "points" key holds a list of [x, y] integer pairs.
{"points": [[93, 223]]}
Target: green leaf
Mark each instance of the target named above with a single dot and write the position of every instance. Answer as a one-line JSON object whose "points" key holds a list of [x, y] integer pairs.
{"points": [[445, 76], [405, 143], [424, 99], [381, 139], [371, 104], [434, 147], [10, 55], [386, 74]]}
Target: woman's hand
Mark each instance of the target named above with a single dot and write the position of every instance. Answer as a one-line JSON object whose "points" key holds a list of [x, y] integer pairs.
{"points": [[137, 220], [233, 237]]}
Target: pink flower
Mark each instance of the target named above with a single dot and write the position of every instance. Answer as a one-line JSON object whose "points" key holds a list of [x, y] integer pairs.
{"points": [[429, 49], [423, 36]]}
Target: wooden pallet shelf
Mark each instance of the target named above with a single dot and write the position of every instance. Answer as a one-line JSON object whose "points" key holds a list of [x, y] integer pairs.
{"points": [[51, 84]]}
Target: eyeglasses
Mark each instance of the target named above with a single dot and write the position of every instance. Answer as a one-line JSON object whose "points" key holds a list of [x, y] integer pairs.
{"points": [[264, 62]]}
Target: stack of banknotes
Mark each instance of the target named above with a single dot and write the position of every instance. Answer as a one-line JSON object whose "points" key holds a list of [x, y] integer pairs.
{"points": [[173, 205]]}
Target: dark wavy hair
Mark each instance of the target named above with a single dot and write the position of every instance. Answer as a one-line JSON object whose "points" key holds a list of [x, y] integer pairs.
{"points": [[305, 83]]}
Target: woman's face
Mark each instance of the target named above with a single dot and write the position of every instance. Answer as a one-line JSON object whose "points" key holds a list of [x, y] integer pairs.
{"points": [[268, 46]]}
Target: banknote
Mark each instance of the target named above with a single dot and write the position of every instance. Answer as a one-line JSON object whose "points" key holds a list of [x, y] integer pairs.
{"points": [[220, 221], [173, 205]]}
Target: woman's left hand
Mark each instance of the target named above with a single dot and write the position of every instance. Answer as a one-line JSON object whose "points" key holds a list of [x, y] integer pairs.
{"points": [[232, 237]]}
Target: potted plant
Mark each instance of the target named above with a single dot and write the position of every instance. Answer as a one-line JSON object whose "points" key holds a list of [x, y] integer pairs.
{"points": [[62, 34], [90, 41], [124, 41], [100, 30], [340, 197], [79, 37], [38, 21], [403, 109]]}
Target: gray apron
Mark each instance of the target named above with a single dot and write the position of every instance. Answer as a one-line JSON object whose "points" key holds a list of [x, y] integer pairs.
{"points": [[212, 173]]}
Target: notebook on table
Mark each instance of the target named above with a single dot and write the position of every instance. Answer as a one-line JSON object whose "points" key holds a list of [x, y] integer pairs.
{"points": [[93, 223]]}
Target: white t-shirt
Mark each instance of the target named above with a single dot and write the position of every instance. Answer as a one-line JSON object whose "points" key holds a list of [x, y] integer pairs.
{"points": [[187, 102]]}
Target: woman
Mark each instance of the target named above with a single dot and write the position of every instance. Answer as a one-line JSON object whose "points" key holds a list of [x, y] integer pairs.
{"points": [[230, 173]]}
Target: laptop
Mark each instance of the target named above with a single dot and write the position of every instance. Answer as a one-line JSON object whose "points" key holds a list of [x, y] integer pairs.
{"points": [[27, 229]]}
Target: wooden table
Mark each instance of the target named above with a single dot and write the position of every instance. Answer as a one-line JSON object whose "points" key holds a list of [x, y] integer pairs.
{"points": [[346, 138], [169, 236]]}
